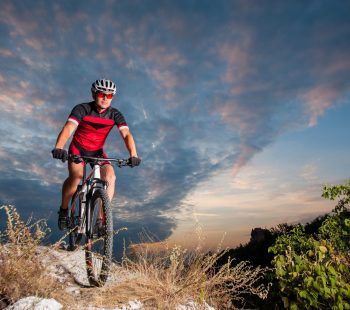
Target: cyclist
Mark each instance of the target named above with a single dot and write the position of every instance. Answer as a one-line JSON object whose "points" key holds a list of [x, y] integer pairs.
{"points": [[92, 122]]}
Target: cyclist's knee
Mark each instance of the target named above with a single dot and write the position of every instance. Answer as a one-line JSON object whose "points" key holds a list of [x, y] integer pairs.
{"points": [[110, 178]]}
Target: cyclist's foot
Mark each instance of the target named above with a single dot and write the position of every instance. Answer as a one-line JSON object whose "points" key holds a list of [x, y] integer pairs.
{"points": [[62, 218]]}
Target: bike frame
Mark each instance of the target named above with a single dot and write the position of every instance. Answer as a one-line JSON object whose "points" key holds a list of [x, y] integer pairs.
{"points": [[88, 186]]}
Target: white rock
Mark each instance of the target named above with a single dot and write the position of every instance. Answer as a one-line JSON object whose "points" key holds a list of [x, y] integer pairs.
{"points": [[71, 263], [65, 265], [35, 303], [73, 290]]}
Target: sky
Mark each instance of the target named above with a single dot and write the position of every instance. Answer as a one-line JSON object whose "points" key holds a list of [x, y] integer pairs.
{"points": [[239, 109]]}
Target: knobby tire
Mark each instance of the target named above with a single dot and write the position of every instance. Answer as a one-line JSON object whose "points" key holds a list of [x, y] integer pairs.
{"points": [[99, 240]]}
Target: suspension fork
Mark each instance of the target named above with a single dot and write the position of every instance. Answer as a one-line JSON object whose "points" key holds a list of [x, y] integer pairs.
{"points": [[88, 207], [90, 189], [88, 197]]}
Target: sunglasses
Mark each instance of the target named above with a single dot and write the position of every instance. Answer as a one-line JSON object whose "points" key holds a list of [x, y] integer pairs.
{"points": [[102, 95]]}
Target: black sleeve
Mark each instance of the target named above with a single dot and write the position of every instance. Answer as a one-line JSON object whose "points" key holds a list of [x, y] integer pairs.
{"points": [[77, 114], [119, 119]]}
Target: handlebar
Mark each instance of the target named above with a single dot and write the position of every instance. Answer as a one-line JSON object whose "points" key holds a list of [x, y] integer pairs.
{"points": [[89, 159]]}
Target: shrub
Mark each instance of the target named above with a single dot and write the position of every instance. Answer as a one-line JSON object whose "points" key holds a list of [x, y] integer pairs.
{"points": [[313, 271]]}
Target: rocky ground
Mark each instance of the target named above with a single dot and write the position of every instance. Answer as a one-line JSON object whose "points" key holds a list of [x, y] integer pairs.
{"points": [[69, 269]]}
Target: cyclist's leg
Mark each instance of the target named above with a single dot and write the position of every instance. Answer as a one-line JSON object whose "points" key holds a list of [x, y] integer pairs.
{"points": [[70, 184], [107, 174]]}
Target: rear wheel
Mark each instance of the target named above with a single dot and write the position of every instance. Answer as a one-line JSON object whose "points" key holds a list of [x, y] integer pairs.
{"points": [[74, 222], [99, 240]]}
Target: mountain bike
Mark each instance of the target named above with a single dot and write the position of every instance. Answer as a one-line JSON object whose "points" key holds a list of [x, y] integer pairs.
{"points": [[90, 216]]}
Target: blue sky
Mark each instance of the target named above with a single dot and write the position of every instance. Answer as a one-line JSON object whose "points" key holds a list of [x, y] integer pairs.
{"points": [[239, 108]]}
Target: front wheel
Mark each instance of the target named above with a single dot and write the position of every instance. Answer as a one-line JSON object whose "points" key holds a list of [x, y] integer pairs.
{"points": [[99, 239]]}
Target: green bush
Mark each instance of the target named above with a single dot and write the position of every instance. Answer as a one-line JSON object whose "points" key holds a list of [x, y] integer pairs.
{"points": [[313, 271]]}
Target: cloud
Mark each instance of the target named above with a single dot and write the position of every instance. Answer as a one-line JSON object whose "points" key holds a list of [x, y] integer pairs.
{"points": [[166, 78], [20, 24], [275, 83], [5, 52], [203, 87], [318, 100], [236, 55], [29, 197], [39, 45]]}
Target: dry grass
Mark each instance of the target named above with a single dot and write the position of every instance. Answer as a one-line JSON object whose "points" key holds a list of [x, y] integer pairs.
{"points": [[22, 273], [171, 277], [176, 276]]}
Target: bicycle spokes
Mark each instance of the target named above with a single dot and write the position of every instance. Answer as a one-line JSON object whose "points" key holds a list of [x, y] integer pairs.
{"points": [[99, 239]]}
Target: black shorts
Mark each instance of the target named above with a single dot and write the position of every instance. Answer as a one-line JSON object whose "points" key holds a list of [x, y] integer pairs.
{"points": [[76, 149]]}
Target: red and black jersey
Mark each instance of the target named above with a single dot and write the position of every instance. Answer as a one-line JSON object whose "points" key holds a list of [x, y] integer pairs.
{"points": [[94, 127]]}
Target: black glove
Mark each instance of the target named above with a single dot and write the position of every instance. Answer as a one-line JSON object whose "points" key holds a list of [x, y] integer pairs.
{"points": [[134, 161], [60, 154]]}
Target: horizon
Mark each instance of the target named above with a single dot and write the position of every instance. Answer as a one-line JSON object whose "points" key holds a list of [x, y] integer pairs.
{"points": [[239, 109]]}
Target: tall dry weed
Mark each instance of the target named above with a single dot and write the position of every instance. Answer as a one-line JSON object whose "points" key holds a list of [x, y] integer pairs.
{"points": [[179, 276], [175, 276], [21, 270]]}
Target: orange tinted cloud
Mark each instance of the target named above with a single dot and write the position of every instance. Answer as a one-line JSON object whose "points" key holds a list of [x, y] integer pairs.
{"points": [[246, 152], [5, 52], [167, 78], [317, 101], [19, 24], [236, 54], [39, 44]]}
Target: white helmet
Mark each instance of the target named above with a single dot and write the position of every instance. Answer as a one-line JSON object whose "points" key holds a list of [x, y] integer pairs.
{"points": [[103, 85]]}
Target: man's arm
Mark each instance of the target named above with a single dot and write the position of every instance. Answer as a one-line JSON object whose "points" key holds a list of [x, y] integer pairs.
{"points": [[65, 134], [129, 141]]}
